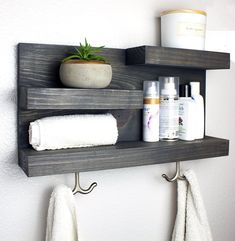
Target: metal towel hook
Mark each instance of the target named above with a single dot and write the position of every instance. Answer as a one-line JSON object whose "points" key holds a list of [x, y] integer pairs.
{"points": [[77, 188], [177, 176]]}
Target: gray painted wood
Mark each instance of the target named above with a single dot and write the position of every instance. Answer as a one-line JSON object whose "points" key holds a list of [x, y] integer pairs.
{"points": [[38, 68], [185, 58], [124, 154], [55, 98]]}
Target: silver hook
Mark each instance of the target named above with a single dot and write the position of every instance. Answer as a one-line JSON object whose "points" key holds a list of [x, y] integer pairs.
{"points": [[177, 176], [77, 188]]}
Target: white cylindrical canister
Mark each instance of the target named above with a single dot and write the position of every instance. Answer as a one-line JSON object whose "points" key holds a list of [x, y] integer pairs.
{"points": [[183, 28]]}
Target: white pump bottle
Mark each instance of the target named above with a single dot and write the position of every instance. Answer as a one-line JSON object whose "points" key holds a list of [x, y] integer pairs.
{"points": [[199, 110]]}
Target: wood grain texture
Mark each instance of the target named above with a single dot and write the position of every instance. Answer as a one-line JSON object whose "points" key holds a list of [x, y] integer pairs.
{"points": [[186, 58], [124, 154], [38, 67], [41, 94], [61, 98]]}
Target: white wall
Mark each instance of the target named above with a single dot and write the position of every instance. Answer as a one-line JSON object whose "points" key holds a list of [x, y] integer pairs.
{"points": [[133, 204]]}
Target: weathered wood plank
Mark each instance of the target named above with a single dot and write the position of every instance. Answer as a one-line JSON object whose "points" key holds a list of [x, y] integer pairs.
{"points": [[61, 98], [124, 154], [186, 58]]}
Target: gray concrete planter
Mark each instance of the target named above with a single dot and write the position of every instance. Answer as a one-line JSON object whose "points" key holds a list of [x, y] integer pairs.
{"points": [[82, 74]]}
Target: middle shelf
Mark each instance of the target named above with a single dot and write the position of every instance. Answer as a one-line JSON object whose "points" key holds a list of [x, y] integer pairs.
{"points": [[65, 98], [123, 154]]}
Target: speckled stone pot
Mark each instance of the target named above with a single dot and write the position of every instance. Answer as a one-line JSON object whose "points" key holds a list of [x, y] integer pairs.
{"points": [[83, 74]]}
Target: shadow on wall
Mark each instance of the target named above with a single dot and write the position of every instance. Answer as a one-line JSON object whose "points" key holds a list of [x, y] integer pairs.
{"points": [[221, 84], [8, 128], [8, 148], [158, 30]]}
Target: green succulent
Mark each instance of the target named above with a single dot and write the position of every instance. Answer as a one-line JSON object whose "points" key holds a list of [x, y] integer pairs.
{"points": [[86, 52]]}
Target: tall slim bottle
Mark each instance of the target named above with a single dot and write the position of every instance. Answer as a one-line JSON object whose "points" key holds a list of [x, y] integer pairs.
{"points": [[199, 112], [187, 114], [151, 111], [169, 108]]}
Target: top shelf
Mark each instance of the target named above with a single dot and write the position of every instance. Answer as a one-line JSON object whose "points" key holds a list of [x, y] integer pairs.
{"points": [[174, 57]]}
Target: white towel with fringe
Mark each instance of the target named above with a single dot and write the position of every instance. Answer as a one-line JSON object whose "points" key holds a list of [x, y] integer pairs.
{"points": [[62, 216], [191, 222], [71, 131]]}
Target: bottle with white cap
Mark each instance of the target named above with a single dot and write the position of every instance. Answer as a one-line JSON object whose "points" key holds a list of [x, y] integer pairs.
{"points": [[187, 114], [169, 108], [151, 111], [199, 109]]}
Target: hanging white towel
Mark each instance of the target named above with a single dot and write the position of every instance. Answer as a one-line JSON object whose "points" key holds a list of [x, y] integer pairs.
{"points": [[70, 131], [191, 222], [62, 216]]}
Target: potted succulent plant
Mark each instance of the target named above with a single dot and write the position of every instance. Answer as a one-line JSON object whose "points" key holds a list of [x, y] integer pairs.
{"points": [[85, 69]]}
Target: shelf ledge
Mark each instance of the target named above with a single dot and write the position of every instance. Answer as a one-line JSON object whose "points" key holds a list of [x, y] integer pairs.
{"points": [[65, 98], [174, 57], [124, 154]]}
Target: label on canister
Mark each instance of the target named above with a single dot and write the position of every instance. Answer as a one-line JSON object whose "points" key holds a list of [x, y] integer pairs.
{"points": [[191, 29]]}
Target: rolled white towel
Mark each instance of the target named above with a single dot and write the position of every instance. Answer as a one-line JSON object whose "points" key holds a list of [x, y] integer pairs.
{"points": [[70, 131]]}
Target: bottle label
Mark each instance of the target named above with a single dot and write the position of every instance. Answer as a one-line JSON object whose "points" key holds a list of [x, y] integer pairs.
{"points": [[169, 118], [182, 130], [187, 119], [183, 121], [151, 120]]}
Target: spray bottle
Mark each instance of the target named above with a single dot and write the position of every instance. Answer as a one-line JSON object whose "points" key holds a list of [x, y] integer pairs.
{"points": [[169, 108], [151, 111]]}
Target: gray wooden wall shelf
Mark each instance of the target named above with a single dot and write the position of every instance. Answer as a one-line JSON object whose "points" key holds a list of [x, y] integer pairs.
{"points": [[41, 94]]}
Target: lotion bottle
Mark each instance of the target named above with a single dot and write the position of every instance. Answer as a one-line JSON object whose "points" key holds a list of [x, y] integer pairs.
{"points": [[187, 118], [169, 108], [151, 111], [199, 109]]}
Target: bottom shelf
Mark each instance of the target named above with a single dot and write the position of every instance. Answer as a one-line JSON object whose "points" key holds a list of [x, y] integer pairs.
{"points": [[124, 154]]}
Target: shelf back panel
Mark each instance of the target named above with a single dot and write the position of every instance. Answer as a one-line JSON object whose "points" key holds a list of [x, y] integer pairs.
{"points": [[38, 67]]}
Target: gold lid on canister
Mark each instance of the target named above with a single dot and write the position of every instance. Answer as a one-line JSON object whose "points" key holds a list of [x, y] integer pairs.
{"points": [[183, 11]]}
